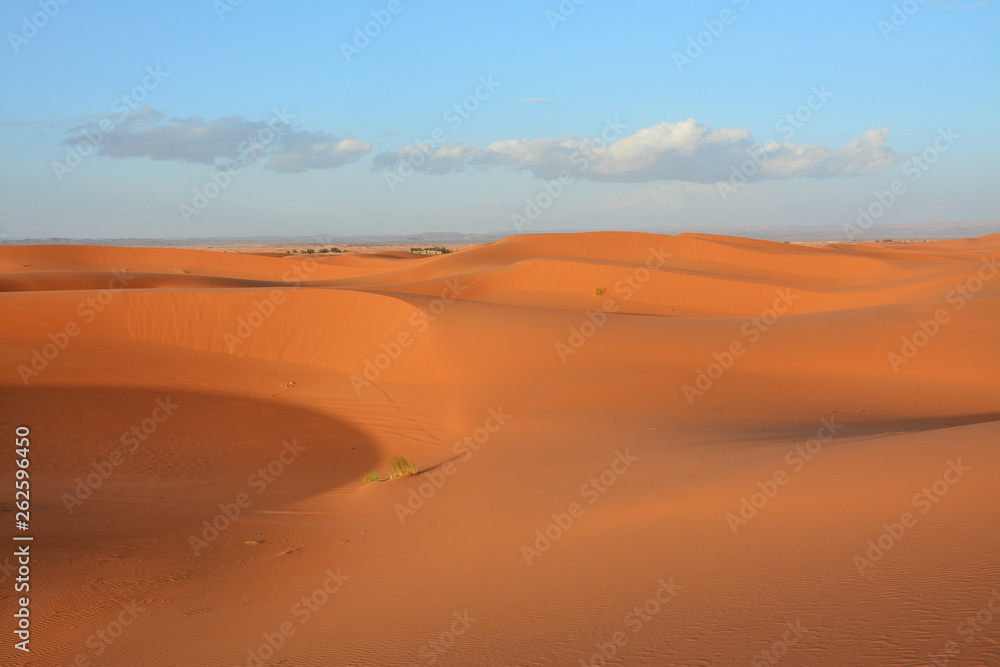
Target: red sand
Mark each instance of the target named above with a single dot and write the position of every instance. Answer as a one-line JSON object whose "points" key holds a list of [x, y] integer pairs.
{"points": [[627, 394]]}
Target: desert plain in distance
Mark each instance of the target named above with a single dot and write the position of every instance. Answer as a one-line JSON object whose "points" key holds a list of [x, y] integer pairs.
{"points": [[633, 449]]}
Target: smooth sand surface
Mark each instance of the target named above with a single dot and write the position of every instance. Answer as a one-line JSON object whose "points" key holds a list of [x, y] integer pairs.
{"points": [[634, 450]]}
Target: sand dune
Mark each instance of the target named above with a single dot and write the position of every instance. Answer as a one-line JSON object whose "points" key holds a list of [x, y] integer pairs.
{"points": [[634, 449]]}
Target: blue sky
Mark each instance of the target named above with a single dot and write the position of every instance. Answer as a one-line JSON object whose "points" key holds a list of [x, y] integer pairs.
{"points": [[202, 118]]}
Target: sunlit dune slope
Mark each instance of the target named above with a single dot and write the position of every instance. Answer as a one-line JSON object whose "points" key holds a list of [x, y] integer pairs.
{"points": [[597, 418]]}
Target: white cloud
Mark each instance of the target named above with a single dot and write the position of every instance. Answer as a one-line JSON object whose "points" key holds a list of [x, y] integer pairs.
{"points": [[146, 133], [684, 151]]}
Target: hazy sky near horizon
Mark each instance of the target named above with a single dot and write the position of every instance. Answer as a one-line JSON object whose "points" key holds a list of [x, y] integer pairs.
{"points": [[203, 118]]}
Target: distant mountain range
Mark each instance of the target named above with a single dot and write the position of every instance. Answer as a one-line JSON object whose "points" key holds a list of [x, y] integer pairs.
{"points": [[833, 233]]}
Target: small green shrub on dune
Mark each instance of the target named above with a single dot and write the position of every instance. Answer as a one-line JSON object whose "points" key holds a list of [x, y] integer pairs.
{"points": [[400, 467]]}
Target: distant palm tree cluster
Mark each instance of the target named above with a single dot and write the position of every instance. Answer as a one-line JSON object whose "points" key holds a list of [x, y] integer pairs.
{"points": [[430, 250], [310, 251]]}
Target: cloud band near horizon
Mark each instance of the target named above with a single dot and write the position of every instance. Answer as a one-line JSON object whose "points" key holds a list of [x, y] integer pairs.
{"points": [[684, 151]]}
